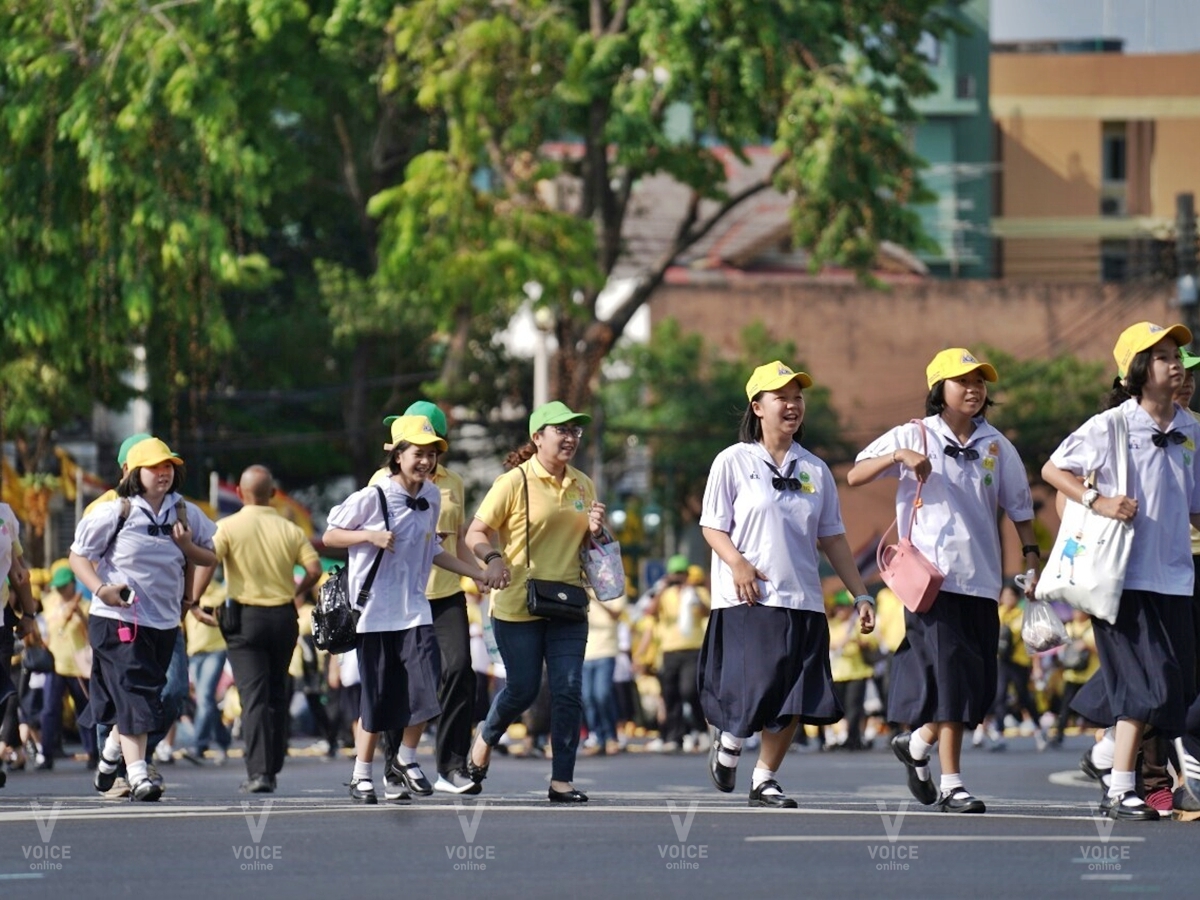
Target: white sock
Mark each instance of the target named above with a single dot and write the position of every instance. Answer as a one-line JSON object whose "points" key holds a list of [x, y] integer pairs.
{"points": [[728, 742], [137, 771], [406, 755], [951, 784], [762, 775], [1122, 783], [918, 747], [1103, 750], [362, 771], [112, 748]]}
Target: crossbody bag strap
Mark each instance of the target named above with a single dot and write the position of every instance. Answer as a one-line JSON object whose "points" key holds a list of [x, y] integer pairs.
{"points": [[912, 519], [364, 593], [525, 491]]}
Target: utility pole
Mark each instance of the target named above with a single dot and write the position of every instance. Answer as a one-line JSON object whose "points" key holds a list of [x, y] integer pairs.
{"points": [[1185, 257]]}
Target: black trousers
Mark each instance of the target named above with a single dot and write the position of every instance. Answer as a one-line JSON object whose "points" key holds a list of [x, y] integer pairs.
{"points": [[456, 689], [259, 654], [677, 680], [852, 695]]}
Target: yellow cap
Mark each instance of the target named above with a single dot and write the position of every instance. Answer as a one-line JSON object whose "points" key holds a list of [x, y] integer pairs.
{"points": [[695, 575], [149, 453], [772, 376], [955, 362], [1143, 336], [415, 430]]}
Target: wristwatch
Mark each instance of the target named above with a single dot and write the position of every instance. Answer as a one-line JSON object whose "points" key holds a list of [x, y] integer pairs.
{"points": [[1090, 496]]}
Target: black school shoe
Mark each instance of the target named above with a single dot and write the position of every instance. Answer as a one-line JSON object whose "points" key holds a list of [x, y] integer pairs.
{"points": [[412, 777], [1119, 808], [571, 796], [960, 800], [775, 799], [923, 790], [723, 777], [363, 794], [1093, 771], [145, 791]]}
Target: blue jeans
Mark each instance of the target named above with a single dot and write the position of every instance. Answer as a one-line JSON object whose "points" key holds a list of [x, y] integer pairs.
{"points": [[599, 701], [525, 646], [205, 669]]}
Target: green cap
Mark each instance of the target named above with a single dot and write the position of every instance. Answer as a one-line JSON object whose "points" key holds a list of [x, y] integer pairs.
{"points": [[677, 564], [62, 577], [128, 444], [554, 413], [1190, 360], [431, 411], [843, 598]]}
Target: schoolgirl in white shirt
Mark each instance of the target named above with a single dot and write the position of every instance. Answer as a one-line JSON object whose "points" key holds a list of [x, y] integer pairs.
{"points": [[770, 507], [944, 672], [1147, 658], [398, 658], [141, 576]]}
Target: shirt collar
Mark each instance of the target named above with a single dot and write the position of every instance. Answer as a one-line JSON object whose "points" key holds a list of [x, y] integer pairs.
{"points": [[539, 470], [795, 452], [983, 430]]}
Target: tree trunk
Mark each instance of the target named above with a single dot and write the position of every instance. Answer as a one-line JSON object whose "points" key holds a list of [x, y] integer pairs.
{"points": [[362, 456]]}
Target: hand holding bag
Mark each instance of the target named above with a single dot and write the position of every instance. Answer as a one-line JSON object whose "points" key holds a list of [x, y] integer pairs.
{"points": [[603, 567], [335, 618], [1042, 629], [903, 568], [550, 599], [1086, 568]]}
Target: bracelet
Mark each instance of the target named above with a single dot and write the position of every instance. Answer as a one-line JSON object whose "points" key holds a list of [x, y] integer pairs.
{"points": [[103, 585], [894, 452], [864, 598], [1031, 548], [495, 554]]}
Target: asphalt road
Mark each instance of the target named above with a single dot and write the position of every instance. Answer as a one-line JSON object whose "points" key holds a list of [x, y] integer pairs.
{"points": [[655, 827]]}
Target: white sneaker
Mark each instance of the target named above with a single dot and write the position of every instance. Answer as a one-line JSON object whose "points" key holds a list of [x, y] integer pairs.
{"points": [[655, 746], [689, 744], [164, 754], [456, 783], [977, 737], [703, 742], [394, 787]]}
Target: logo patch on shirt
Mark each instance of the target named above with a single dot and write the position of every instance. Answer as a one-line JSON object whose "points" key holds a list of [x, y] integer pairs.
{"points": [[994, 448], [1187, 459], [987, 479], [1189, 444], [807, 488], [989, 462], [804, 476]]}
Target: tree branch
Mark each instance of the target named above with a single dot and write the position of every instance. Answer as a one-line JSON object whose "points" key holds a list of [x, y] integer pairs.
{"points": [[618, 19], [353, 187]]}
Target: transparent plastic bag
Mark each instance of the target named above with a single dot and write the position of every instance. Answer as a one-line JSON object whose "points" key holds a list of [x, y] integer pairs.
{"points": [[1042, 630]]}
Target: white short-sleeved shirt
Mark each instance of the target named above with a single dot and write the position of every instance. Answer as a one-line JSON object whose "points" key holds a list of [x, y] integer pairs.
{"points": [[956, 524], [152, 565], [1165, 482], [398, 600], [777, 531], [10, 537]]}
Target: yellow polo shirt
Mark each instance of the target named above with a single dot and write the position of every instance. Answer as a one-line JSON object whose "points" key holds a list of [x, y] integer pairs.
{"points": [[1014, 618], [260, 548], [671, 639], [442, 583], [65, 637], [559, 514], [203, 638], [889, 620]]}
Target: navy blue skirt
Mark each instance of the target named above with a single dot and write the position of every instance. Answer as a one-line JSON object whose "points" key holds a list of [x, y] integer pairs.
{"points": [[127, 678], [945, 668], [1147, 664], [399, 672], [762, 665]]}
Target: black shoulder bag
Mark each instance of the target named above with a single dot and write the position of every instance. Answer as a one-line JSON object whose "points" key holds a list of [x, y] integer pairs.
{"points": [[550, 599], [335, 618]]}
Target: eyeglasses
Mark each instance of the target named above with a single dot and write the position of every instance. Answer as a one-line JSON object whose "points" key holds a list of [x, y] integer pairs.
{"points": [[575, 431]]}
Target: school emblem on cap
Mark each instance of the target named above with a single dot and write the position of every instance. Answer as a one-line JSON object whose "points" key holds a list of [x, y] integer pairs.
{"points": [[968, 358], [784, 370], [426, 427]]}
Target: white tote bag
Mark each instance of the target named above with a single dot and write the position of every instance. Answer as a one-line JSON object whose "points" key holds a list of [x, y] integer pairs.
{"points": [[1086, 568]]}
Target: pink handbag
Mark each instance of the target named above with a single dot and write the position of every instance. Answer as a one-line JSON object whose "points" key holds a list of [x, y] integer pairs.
{"points": [[903, 568]]}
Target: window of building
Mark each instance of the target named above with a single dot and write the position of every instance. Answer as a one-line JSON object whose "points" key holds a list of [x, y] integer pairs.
{"points": [[1112, 157]]}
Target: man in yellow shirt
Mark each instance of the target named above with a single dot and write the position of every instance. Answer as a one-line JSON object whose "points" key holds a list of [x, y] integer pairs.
{"points": [[66, 637], [680, 612], [259, 549]]}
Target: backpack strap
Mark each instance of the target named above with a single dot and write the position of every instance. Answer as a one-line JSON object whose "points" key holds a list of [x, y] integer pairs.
{"points": [[181, 514], [125, 509]]}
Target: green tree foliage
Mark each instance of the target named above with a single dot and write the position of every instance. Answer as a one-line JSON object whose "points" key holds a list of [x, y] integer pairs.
{"points": [[1041, 401], [684, 402], [554, 110]]}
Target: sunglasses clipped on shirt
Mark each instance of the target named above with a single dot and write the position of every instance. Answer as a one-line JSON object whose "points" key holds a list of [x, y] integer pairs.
{"points": [[575, 431]]}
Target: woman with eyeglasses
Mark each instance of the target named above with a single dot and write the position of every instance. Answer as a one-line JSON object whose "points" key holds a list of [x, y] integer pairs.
{"points": [[770, 508], [541, 510], [944, 671], [137, 555]]}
